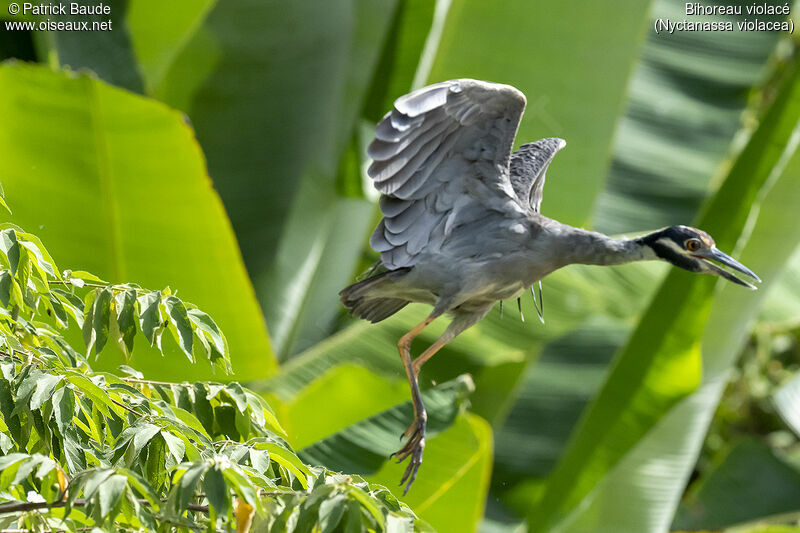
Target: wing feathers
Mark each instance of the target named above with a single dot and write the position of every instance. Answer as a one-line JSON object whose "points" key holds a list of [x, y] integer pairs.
{"points": [[528, 167], [397, 163], [425, 99], [378, 241], [382, 150], [391, 206], [385, 131], [402, 122], [426, 153], [419, 185], [402, 221]]}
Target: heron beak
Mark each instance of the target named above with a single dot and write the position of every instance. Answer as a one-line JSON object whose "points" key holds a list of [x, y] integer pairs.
{"points": [[713, 254]]}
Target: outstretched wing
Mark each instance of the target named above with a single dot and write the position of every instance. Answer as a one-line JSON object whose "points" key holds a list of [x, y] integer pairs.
{"points": [[528, 167], [441, 157]]}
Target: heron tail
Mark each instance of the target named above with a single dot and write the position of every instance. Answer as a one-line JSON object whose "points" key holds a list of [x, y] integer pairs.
{"points": [[362, 301]]}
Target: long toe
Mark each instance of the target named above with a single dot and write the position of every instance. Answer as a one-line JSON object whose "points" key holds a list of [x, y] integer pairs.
{"points": [[411, 429], [413, 466], [413, 449]]}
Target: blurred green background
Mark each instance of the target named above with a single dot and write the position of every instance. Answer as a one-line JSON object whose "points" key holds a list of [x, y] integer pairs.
{"points": [[219, 148]]}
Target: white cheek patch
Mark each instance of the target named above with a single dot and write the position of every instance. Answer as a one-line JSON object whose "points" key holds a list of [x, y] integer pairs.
{"points": [[669, 243]]}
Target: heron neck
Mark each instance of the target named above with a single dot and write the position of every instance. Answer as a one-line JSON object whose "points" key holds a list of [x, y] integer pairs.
{"points": [[593, 248]]}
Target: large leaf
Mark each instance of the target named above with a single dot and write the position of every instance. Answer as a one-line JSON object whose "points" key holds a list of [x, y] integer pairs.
{"points": [[362, 448], [158, 41], [684, 107], [116, 184], [787, 402], [553, 392], [749, 483], [108, 53], [315, 259], [261, 109], [360, 393], [324, 230], [319, 246], [358, 432], [632, 425], [574, 86], [450, 490], [783, 301], [413, 29], [276, 104]]}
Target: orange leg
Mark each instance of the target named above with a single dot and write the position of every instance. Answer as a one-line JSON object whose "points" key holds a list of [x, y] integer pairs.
{"points": [[404, 347], [417, 366], [416, 433]]}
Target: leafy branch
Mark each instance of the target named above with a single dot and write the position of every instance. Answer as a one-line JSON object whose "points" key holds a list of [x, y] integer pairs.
{"points": [[82, 449], [45, 300]]}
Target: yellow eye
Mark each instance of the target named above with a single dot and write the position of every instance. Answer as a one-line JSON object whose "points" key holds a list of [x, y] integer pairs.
{"points": [[693, 245]]}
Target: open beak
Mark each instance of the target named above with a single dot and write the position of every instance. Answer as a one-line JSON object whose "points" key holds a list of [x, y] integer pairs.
{"points": [[707, 256]]}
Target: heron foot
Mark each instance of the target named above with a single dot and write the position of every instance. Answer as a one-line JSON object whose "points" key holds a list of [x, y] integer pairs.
{"points": [[413, 449]]}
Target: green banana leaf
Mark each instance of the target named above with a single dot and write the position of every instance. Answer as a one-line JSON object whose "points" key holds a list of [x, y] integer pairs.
{"points": [[157, 41], [764, 526], [553, 392], [665, 85], [108, 53], [362, 431], [684, 106], [606, 475], [275, 110], [451, 488], [412, 33], [787, 402], [362, 447], [116, 184], [784, 300], [750, 482], [572, 68]]}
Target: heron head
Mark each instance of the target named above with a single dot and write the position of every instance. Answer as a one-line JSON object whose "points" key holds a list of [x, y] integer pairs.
{"points": [[694, 250]]}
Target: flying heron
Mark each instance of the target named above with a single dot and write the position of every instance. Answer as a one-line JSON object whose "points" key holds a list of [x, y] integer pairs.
{"points": [[461, 226]]}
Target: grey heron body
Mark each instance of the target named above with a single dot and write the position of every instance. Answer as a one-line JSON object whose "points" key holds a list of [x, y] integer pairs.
{"points": [[462, 227]]}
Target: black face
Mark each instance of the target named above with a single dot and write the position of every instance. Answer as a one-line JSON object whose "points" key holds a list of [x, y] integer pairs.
{"points": [[676, 243], [693, 250]]}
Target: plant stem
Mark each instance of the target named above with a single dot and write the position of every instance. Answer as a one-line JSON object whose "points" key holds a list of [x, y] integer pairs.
{"points": [[120, 404], [18, 358], [22, 507], [150, 382], [66, 282]]}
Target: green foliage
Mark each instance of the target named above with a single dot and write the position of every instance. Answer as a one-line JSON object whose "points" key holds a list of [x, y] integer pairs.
{"points": [[359, 431], [307, 74], [133, 215], [81, 449], [750, 482], [685, 104], [33, 289], [662, 361], [545, 49], [282, 96]]}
